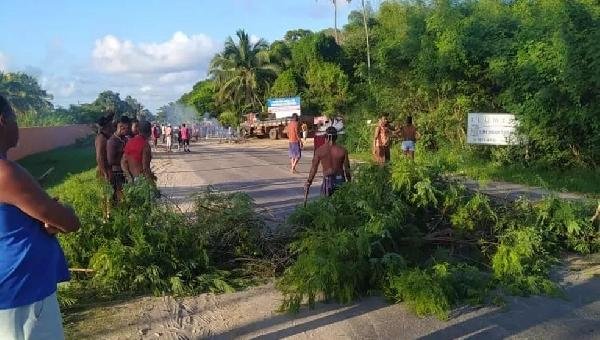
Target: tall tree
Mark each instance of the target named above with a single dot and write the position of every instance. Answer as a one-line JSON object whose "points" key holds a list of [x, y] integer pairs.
{"points": [[335, 10], [242, 72], [25, 93]]}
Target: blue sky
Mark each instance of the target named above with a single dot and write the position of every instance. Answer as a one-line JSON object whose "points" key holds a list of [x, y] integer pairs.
{"points": [[153, 50]]}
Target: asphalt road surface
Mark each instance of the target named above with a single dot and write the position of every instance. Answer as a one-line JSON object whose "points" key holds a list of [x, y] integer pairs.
{"points": [[262, 170]]}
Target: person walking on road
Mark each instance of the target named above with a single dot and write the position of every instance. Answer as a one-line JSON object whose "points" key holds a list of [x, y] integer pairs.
{"points": [[185, 137], [32, 262], [381, 141], [335, 163], [168, 137], [304, 132], [155, 135], [409, 135], [295, 152]]}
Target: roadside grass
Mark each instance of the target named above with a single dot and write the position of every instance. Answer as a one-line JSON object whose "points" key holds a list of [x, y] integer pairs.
{"points": [[69, 160], [579, 180]]}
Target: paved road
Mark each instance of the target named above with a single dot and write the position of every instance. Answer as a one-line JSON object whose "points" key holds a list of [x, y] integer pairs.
{"points": [[262, 170]]}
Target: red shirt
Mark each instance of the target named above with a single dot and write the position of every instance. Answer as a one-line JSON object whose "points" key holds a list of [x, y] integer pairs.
{"points": [[292, 131], [135, 148]]}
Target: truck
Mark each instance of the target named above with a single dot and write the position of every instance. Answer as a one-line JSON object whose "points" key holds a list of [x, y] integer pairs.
{"points": [[274, 128], [273, 123]]}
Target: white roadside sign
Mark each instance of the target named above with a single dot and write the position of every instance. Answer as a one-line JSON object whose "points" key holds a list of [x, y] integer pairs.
{"points": [[491, 129], [283, 107]]}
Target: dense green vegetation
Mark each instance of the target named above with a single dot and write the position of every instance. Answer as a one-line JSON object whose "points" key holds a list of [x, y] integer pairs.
{"points": [[410, 233], [146, 245], [437, 61]]}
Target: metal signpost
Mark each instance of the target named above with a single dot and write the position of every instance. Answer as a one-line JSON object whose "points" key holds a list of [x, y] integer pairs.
{"points": [[491, 129]]}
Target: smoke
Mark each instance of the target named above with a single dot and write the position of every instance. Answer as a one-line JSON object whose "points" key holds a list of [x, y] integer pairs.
{"points": [[180, 113]]}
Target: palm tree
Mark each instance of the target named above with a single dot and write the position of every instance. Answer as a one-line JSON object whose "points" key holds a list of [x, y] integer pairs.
{"points": [[335, 32], [243, 72]]}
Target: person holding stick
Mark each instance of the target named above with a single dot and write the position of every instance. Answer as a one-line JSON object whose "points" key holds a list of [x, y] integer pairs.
{"points": [[335, 164]]}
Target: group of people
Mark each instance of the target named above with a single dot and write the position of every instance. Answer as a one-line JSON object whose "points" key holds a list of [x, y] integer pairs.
{"points": [[182, 134], [334, 158], [384, 133], [123, 152]]}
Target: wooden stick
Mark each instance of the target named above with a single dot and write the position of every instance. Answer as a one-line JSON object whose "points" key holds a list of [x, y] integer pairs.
{"points": [[306, 195], [82, 270]]}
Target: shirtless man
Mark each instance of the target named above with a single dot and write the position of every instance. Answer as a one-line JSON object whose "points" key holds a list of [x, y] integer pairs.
{"points": [[137, 154], [409, 135], [105, 130], [114, 153], [381, 141], [335, 162]]}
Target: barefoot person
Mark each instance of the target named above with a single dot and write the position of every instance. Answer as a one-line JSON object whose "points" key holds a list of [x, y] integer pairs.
{"points": [[155, 135], [304, 131], [185, 137], [409, 135], [381, 141], [137, 154], [294, 148], [168, 136], [335, 163], [105, 130], [31, 260], [114, 152]]}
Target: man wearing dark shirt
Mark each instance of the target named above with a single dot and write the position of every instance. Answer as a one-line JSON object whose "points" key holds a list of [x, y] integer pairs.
{"points": [[114, 150]]}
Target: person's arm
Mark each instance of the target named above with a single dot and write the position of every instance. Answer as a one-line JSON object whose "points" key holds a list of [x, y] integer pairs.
{"points": [[376, 138], [125, 167], [313, 171], [20, 189], [146, 159], [101, 159], [347, 172]]}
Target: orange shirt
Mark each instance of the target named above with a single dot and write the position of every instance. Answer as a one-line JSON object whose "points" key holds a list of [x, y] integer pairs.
{"points": [[292, 131]]}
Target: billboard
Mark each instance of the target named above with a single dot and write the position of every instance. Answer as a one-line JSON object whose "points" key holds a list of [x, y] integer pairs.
{"points": [[283, 107], [491, 129]]}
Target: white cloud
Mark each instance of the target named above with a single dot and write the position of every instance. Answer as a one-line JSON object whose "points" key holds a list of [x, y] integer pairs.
{"points": [[254, 39], [145, 88], [178, 54], [3, 62]]}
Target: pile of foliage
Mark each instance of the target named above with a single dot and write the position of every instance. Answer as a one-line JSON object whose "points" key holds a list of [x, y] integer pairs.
{"points": [[412, 234], [146, 245]]}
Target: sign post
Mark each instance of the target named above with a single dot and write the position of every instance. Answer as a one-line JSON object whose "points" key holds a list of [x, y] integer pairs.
{"points": [[491, 129]]}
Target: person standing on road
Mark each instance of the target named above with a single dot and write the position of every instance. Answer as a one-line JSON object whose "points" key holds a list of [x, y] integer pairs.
{"points": [[294, 148], [114, 151], [105, 130], [381, 141], [155, 135], [336, 164], [409, 135], [32, 262], [304, 131], [164, 133], [185, 137], [168, 137]]}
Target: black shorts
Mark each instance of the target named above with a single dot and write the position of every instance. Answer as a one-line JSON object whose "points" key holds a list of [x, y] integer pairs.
{"points": [[186, 142], [118, 180]]}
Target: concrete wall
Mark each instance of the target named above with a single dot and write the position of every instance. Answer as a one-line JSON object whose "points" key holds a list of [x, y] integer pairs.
{"points": [[38, 139]]}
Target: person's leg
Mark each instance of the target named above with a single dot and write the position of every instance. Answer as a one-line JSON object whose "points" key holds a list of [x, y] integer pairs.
{"points": [[45, 321]]}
